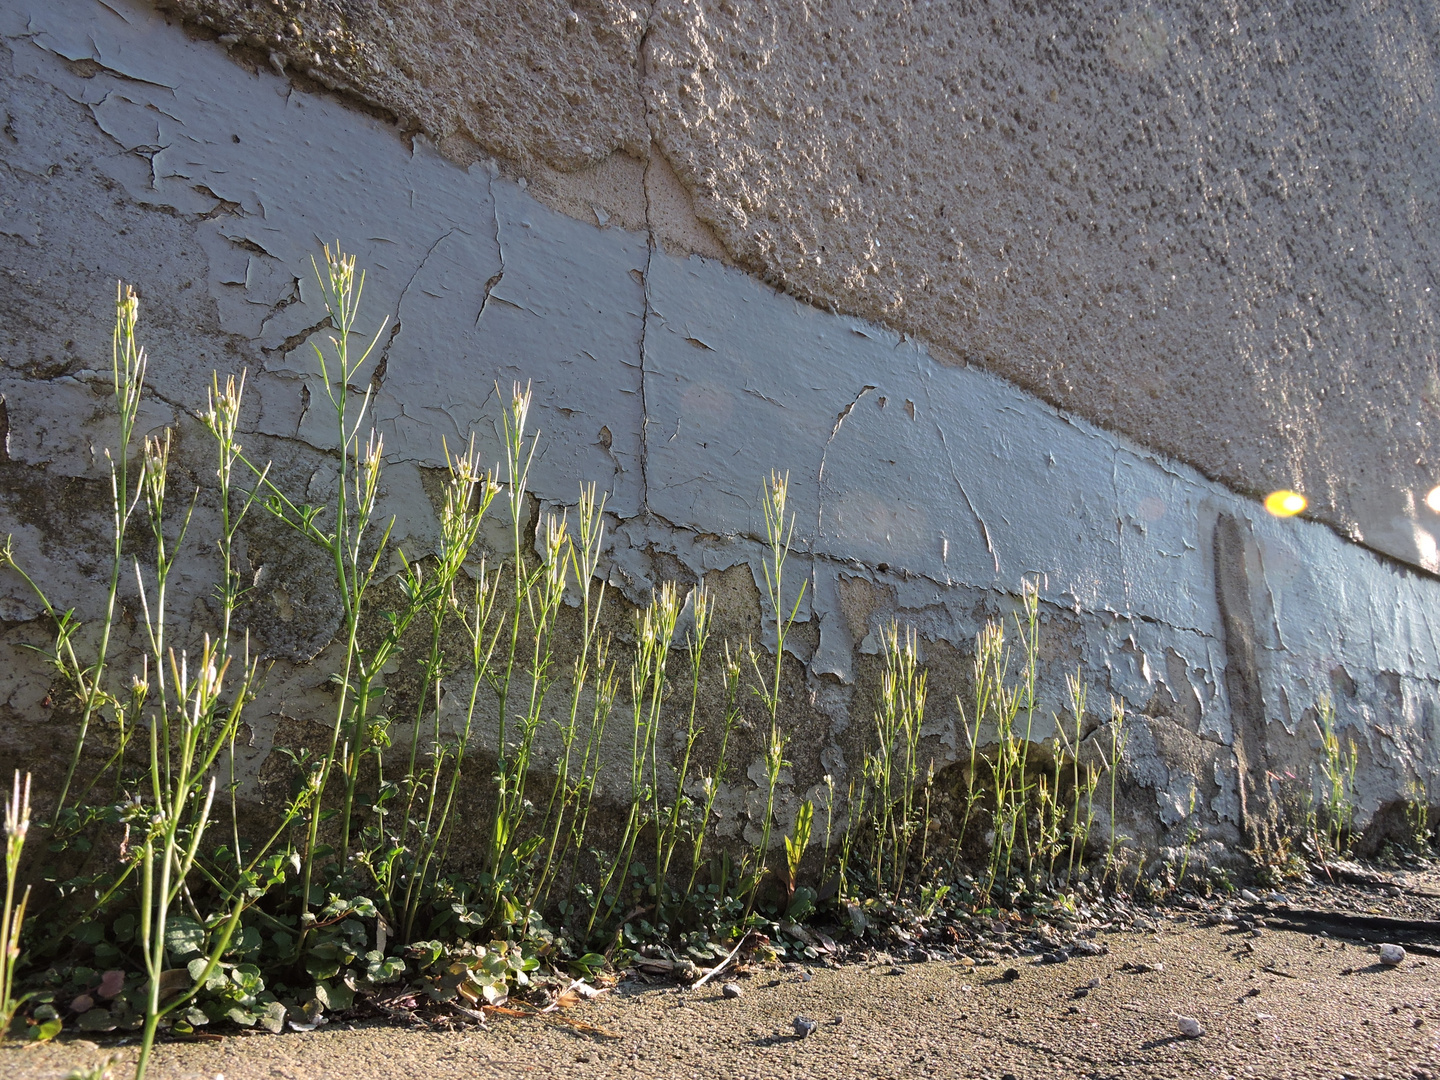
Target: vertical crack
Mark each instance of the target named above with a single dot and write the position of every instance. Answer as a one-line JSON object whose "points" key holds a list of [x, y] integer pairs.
{"points": [[644, 332], [640, 75], [820, 475], [955, 475]]}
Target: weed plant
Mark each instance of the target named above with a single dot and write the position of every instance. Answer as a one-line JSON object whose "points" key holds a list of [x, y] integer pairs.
{"points": [[12, 915], [352, 892], [1420, 835], [1337, 790], [163, 914]]}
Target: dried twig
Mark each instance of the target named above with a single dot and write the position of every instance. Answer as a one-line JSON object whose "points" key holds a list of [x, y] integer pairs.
{"points": [[721, 966]]}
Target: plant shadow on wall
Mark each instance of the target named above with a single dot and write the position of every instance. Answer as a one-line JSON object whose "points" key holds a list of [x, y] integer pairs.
{"points": [[599, 756]]}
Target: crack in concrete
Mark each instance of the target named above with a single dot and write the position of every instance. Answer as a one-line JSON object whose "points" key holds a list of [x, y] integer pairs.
{"points": [[839, 420], [295, 340], [304, 409], [955, 475], [285, 302], [382, 365], [644, 446], [820, 478], [490, 283]]}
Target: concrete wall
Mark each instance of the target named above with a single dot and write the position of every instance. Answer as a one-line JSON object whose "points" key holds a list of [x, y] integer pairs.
{"points": [[1206, 226], [584, 199]]}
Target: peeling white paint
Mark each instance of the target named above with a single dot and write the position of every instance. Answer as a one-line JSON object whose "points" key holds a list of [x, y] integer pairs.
{"points": [[677, 385]]}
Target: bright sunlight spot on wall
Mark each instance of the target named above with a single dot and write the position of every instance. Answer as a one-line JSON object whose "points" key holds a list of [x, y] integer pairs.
{"points": [[1285, 503]]}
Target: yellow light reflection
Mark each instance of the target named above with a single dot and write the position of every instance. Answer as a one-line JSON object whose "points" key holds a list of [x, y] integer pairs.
{"points": [[1433, 499], [1285, 503]]}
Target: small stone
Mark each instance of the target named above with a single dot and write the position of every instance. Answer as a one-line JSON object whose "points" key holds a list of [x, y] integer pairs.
{"points": [[1010, 974], [896, 971], [1249, 897], [1057, 957], [730, 990], [1189, 1027], [804, 1027], [1392, 955]]}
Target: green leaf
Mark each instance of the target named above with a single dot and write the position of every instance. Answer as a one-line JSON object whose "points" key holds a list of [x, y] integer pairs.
{"points": [[272, 1018], [184, 938], [97, 1020], [801, 904], [336, 997], [320, 968], [46, 1031], [246, 942], [247, 977]]}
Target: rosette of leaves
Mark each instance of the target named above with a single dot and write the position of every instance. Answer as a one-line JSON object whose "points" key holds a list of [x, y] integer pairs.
{"points": [[475, 975], [233, 992], [338, 939]]}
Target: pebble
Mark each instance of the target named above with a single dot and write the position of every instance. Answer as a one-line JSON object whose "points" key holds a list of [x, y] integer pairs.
{"points": [[1010, 974], [1392, 955], [804, 1027], [1189, 1027], [731, 990]]}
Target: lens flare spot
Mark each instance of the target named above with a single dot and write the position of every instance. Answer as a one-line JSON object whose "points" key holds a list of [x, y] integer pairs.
{"points": [[1433, 499], [1285, 503]]}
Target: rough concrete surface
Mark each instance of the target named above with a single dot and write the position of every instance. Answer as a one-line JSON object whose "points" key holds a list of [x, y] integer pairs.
{"points": [[1206, 227], [923, 490], [1334, 1012]]}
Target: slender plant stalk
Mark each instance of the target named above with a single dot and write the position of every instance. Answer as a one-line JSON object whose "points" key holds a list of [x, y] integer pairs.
{"points": [[12, 916]]}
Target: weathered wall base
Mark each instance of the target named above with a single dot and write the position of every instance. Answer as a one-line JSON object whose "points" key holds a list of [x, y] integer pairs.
{"points": [[922, 492]]}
